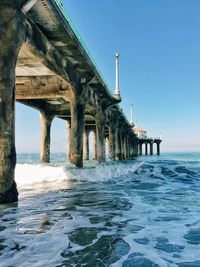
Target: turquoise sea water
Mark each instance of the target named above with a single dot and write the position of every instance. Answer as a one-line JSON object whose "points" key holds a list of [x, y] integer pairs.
{"points": [[143, 212]]}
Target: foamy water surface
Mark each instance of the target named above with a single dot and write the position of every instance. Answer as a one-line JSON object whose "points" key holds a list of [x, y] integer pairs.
{"points": [[143, 213]]}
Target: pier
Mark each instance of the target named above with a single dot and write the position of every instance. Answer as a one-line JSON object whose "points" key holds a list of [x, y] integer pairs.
{"points": [[45, 65], [148, 144]]}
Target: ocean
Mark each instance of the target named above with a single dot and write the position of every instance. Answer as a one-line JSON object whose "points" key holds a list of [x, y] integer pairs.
{"points": [[138, 213]]}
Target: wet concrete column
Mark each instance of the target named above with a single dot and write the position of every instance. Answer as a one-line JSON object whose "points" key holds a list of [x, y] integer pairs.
{"points": [[118, 149], [146, 148], [68, 137], [128, 146], [45, 137], [122, 144], [151, 148], [107, 148], [158, 148], [140, 149], [95, 146], [125, 146], [100, 131], [132, 147], [86, 145], [136, 149], [77, 129], [112, 140], [12, 36]]}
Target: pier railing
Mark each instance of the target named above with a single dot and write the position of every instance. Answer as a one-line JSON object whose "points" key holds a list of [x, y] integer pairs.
{"points": [[80, 39]]}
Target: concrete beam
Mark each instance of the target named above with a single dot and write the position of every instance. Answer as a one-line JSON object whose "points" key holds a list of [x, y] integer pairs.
{"points": [[42, 87]]}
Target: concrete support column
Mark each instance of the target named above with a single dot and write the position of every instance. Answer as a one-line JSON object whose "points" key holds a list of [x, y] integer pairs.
{"points": [[146, 148], [132, 147], [77, 129], [151, 148], [118, 148], [112, 140], [45, 137], [158, 148], [100, 130], [95, 146], [140, 149], [12, 36], [136, 151], [68, 136], [122, 144], [125, 146], [86, 145], [107, 148], [128, 146]]}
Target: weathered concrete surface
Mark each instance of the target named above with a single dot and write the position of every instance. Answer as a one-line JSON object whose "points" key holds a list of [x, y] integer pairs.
{"points": [[56, 76], [112, 139], [68, 135], [151, 148], [146, 148], [118, 149], [100, 132], [12, 35], [46, 122], [94, 146], [158, 146], [78, 103], [148, 142], [86, 145]]}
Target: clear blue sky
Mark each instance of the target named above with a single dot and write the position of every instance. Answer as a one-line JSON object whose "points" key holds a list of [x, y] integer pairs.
{"points": [[159, 46]]}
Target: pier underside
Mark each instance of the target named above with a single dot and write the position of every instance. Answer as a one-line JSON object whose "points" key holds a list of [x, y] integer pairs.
{"points": [[45, 65]]}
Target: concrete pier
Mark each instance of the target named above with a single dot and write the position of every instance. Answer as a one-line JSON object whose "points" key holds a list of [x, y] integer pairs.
{"points": [[55, 75], [146, 148], [158, 142], [112, 140], [118, 149], [86, 145], [148, 142], [100, 119], [151, 148], [46, 122], [94, 146], [12, 35], [140, 149], [77, 129]]}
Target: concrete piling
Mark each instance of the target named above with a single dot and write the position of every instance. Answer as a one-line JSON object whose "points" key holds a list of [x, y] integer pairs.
{"points": [[66, 86], [12, 36], [100, 132], [46, 122], [86, 145], [76, 133]]}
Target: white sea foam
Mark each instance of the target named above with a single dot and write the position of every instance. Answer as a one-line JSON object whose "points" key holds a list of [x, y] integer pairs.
{"points": [[27, 174]]}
